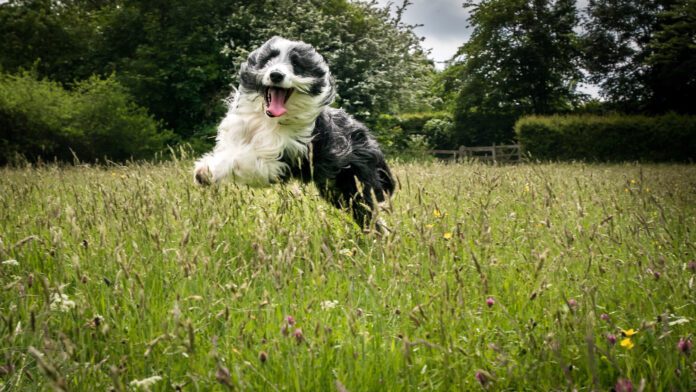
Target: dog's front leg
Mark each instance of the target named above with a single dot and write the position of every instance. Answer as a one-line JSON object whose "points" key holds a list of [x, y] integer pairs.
{"points": [[243, 164], [214, 166]]}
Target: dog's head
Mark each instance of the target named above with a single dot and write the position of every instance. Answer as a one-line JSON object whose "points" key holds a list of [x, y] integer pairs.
{"points": [[287, 75]]}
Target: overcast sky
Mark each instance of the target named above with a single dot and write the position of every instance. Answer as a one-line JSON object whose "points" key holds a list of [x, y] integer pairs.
{"points": [[444, 25]]}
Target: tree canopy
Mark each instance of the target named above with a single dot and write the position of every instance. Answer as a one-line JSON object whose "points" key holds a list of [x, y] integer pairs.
{"points": [[179, 58]]}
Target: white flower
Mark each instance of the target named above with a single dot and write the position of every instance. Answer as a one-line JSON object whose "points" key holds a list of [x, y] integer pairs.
{"points": [[10, 262], [145, 383], [61, 302], [328, 304]]}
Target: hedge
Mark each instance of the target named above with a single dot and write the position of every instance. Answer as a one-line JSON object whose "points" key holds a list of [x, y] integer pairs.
{"points": [[397, 133], [663, 138], [40, 120]]}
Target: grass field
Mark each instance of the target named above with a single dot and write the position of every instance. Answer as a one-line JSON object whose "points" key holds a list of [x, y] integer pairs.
{"points": [[502, 278]]}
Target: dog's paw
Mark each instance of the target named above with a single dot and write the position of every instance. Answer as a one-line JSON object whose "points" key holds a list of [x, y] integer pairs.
{"points": [[202, 175]]}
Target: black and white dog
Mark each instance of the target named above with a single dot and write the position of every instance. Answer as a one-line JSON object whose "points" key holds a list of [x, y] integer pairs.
{"points": [[279, 125]]}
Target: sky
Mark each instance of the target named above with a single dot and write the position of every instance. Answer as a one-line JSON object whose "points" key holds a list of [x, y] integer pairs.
{"points": [[444, 25]]}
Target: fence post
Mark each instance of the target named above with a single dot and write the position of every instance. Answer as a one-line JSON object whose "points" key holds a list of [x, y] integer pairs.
{"points": [[461, 153], [494, 158]]}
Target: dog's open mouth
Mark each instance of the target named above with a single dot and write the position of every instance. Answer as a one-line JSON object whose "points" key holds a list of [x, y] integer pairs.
{"points": [[276, 98]]}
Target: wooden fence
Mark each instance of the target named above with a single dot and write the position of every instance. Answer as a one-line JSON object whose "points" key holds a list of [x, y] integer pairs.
{"points": [[494, 153]]}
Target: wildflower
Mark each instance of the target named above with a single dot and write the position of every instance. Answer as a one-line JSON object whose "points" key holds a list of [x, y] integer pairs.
{"points": [[490, 302], [222, 374], [627, 343], [145, 383], [447, 235], [628, 332], [437, 213], [263, 357], [572, 304], [685, 345], [611, 338], [604, 317], [429, 226], [692, 266], [61, 302], [623, 385], [10, 262], [326, 305], [482, 377], [290, 320], [526, 188], [298, 335]]}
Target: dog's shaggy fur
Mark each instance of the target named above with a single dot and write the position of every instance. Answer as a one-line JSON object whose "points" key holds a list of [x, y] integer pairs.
{"points": [[279, 125]]}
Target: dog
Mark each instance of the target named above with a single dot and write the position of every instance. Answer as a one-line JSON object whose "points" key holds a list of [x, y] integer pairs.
{"points": [[279, 125]]}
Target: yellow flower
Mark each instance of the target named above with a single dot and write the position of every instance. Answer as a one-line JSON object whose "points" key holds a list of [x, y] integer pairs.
{"points": [[627, 343], [429, 226], [437, 213], [447, 235], [628, 332], [526, 188], [633, 181]]}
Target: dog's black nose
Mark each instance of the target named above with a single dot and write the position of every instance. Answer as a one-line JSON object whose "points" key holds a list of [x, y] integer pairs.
{"points": [[277, 77]]}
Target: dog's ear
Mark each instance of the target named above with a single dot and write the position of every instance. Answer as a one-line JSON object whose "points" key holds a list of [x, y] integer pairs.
{"points": [[252, 60]]}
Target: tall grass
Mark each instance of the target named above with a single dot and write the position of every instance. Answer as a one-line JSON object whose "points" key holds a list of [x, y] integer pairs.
{"points": [[516, 277]]}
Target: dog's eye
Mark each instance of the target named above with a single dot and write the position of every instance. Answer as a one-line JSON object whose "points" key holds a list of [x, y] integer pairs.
{"points": [[267, 56], [304, 66]]}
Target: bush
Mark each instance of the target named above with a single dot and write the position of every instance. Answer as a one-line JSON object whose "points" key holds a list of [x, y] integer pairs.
{"points": [[396, 133], [41, 120], [609, 138]]}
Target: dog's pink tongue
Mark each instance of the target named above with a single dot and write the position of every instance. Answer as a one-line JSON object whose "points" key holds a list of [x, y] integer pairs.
{"points": [[277, 105]]}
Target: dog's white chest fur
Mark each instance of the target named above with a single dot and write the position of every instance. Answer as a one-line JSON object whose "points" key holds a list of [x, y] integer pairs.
{"points": [[249, 143]]}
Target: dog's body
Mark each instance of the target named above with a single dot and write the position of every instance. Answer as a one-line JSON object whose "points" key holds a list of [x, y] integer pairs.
{"points": [[279, 126]]}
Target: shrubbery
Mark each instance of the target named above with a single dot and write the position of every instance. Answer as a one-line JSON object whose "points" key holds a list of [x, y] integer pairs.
{"points": [[399, 133], [97, 119], [609, 138]]}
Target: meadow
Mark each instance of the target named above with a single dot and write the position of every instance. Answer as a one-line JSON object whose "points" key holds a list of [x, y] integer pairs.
{"points": [[525, 277]]}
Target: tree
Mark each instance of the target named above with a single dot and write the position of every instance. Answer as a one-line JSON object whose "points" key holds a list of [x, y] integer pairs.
{"points": [[522, 58], [673, 60], [179, 58], [642, 53], [46, 35]]}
